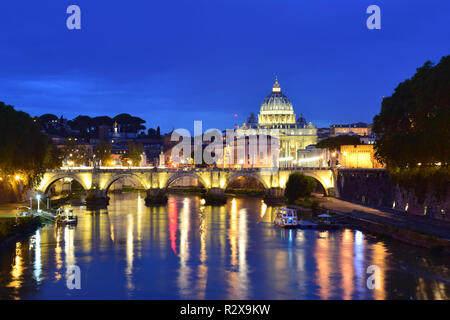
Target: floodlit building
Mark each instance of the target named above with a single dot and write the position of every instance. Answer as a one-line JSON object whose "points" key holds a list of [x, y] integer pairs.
{"points": [[311, 157], [359, 156], [360, 129], [277, 117], [250, 151]]}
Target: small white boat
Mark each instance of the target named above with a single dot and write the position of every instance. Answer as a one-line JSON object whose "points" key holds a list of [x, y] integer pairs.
{"points": [[66, 218], [286, 218]]}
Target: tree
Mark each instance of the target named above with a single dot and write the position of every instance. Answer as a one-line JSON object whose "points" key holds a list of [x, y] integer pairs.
{"points": [[154, 134], [299, 185], [133, 154], [158, 132], [413, 130], [335, 143], [53, 157], [102, 121], [413, 127], [128, 123], [46, 119], [102, 151], [83, 125], [24, 150], [73, 151], [151, 133]]}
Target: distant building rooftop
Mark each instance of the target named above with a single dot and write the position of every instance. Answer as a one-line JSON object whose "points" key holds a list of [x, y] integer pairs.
{"points": [[351, 125]]}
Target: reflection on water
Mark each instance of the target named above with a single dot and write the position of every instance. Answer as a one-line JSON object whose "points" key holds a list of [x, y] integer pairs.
{"points": [[186, 250]]}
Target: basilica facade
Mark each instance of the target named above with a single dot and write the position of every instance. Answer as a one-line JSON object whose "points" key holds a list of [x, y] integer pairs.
{"points": [[277, 116]]}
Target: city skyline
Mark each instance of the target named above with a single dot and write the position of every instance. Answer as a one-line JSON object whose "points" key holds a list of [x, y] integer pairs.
{"points": [[171, 66]]}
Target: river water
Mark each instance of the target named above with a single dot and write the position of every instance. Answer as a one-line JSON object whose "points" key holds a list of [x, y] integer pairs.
{"points": [[187, 251]]}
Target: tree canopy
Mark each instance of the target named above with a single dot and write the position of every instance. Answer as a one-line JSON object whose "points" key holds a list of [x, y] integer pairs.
{"points": [[128, 123], [48, 118], [334, 143], [24, 149], [102, 151], [413, 127], [133, 154], [72, 150], [299, 185], [155, 134]]}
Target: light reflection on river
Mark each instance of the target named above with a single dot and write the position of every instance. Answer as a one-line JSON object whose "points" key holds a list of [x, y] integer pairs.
{"points": [[187, 251]]}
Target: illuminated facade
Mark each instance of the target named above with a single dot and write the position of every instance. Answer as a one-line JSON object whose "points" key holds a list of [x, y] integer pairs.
{"points": [[277, 113], [360, 129], [250, 151], [359, 156]]}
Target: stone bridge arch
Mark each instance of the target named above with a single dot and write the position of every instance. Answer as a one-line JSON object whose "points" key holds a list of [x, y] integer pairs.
{"points": [[325, 178], [49, 179], [107, 185], [233, 176], [179, 175]]}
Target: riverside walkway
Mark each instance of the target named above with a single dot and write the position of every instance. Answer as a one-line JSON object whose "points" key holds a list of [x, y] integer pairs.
{"points": [[420, 224], [10, 210]]}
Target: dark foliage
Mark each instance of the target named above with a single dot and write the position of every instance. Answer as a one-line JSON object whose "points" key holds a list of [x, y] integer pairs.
{"points": [[414, 124], [413, 131], [299, 185], [334, 143], [23, 148]]}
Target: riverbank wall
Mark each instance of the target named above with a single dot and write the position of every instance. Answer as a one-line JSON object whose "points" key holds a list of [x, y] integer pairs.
{"points": [[374, 187], [14, 228], [400, 233]]}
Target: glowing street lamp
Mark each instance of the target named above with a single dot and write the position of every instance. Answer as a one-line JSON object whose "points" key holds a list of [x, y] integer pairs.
{"points": [[38, 197]]}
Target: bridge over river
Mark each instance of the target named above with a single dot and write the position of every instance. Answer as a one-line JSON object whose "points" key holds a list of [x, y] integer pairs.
{"points": [[97, 181]]}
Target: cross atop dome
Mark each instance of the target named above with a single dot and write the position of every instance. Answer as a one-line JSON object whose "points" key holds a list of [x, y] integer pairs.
{"points": [[276, 86]]}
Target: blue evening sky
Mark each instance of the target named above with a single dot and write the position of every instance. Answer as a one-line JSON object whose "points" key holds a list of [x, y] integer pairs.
{"points": [[172, 62]]}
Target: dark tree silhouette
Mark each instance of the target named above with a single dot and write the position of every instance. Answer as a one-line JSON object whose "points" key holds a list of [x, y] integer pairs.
{"points": [[299, 185], [24, 149], [414, 124], [334, 143]]}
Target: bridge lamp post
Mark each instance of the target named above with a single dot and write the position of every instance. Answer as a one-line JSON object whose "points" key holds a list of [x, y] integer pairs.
{"points": [[38, 197]]}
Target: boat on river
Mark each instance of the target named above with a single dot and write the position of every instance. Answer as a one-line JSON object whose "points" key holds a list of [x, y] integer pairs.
{"points": [[286, 218], [66, 218]]}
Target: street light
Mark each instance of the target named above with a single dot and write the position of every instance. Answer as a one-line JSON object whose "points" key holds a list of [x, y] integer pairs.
{"points": [[38, 197]]}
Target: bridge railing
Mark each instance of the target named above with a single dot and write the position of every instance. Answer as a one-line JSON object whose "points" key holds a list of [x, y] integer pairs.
{"points": [[186, 169]]}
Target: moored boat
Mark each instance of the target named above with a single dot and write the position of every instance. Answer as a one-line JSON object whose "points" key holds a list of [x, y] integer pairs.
{"points": [[286, 218], [66, 218]]}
